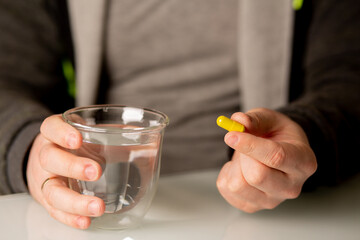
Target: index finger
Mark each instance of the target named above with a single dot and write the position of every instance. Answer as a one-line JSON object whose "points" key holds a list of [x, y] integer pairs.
{"points": [[57, 131], [259, 121]]}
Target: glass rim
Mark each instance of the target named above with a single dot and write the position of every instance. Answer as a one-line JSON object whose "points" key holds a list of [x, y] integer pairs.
{"points": [[88, 128]]}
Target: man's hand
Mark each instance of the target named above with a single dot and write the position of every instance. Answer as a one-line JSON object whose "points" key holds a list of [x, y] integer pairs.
{"points": [[271, 162]]}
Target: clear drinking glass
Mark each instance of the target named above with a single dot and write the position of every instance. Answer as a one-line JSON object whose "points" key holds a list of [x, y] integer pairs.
{"points": [[126, 142]]}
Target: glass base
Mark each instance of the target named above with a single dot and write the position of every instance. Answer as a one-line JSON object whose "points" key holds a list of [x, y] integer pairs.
{"points": [[113, 221]]}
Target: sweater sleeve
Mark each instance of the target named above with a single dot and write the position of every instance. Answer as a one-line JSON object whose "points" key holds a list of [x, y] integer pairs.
{"points": [[31, 83], [329, 109]]}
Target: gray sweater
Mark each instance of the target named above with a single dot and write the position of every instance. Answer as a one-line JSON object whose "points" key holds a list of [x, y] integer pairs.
{"points": [[324, 84]]}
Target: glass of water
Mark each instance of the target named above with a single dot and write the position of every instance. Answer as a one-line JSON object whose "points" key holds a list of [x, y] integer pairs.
{"points": [[126, 142]]}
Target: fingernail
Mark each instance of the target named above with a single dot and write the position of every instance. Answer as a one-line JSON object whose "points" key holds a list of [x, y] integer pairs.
{"points": [[231, 140], [81, 222], [94, 208], [90, 173], [71, 140]]}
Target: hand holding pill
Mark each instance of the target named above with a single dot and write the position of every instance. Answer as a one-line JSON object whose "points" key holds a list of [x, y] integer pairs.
{"points": [[271, 160]]}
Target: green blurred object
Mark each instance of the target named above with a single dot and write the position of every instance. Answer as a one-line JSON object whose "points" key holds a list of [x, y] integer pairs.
{"points": [[297, 4], [69, 74]]}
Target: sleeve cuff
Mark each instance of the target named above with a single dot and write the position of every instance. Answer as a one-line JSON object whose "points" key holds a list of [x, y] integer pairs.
{"points": [[17, 156]]}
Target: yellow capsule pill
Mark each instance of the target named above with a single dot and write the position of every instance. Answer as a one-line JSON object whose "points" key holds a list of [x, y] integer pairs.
{"points": [[229, 124]]}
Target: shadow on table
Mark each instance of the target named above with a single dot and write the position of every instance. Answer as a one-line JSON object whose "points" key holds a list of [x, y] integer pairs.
{"points": [[327, 213]]}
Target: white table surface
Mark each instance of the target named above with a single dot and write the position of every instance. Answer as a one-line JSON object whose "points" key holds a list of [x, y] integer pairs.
{"points": [[188, 206]]}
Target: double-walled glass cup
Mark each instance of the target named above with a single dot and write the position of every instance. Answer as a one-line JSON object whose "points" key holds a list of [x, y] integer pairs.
{"points": [[126, 142]]}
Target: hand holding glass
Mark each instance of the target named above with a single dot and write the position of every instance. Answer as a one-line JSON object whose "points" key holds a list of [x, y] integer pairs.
{"points": [[126, 142]]}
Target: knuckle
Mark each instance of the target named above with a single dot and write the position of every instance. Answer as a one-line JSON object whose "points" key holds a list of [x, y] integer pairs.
{"points": [[255, 177], [276, 158], [309, 161], [249, 147], [312, 165], [80, 204], [235, 185], [71, 168], [220, 184], [293, 193], [249, 208], [77, 206]]}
